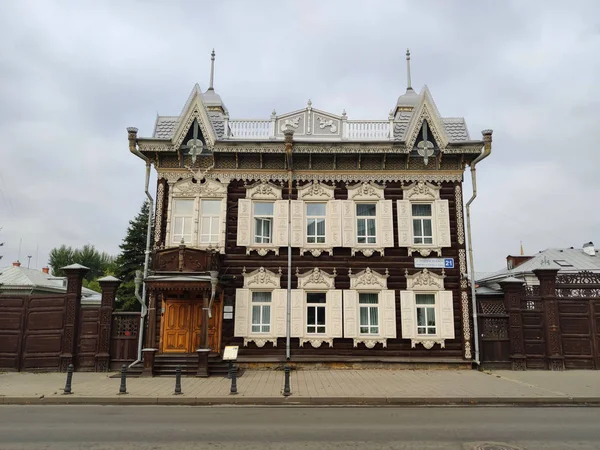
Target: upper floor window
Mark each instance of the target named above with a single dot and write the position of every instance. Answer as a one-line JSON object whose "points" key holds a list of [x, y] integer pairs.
{"points": [[210, 214], [369, 313], [425, 305], [422, 223], [315, 312], [261, 312], [315, 222], [366, 223], [183, 213], [263, 223]]}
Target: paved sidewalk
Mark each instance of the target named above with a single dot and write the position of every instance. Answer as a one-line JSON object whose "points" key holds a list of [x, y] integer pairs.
{"points": [[323, 387]]}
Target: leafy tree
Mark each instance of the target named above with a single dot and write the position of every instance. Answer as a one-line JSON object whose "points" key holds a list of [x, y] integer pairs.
{"points": [[98, 263], [131, 259]]}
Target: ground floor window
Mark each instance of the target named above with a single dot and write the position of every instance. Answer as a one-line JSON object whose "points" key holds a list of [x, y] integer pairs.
{"points": [[425, 305], [369, 313], [315, 312], [261, 312]]}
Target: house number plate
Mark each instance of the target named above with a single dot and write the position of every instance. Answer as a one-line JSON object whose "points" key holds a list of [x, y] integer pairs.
{"points": [[434, 263]]}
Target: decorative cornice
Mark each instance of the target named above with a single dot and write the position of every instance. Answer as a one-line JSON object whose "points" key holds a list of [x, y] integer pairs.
{"points": [[316, 279], [263, 190], [368, 279], [424, 281], [156, 147], [366, 191], [261, 278], [210, 188], [316, 191], [330, 176]]}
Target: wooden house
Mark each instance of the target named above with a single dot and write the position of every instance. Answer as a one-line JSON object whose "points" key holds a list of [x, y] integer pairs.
{"points": [[308, 236]]}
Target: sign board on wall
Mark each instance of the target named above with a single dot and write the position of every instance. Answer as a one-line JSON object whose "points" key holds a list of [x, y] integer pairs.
{"points": [[227, 316], [434, 263], [228, 308]]}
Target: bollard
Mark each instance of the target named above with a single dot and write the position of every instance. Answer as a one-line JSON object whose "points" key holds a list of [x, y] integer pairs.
{"points": [[229, 369], [123, 388], [67, 389], [233, 381], [286, 388], [178, 381]]}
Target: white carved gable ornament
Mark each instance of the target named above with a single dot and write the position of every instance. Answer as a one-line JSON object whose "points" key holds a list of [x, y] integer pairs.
{"points": [[262, 278], [421, 191], [425, 281], [366, 191], [316, 191], [316, 279], [189, 187], [368, 279], [263, 190]]}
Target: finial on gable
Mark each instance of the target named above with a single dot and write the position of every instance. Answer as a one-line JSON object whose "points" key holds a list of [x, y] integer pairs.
{"points": [[408, 81], [212, 70]]}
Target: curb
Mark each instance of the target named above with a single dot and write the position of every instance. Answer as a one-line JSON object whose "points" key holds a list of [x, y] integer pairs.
{"points": [[302, 401]]}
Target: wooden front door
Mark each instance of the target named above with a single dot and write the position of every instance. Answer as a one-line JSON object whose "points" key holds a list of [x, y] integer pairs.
{"points": [[176, 329], [182, 326]]}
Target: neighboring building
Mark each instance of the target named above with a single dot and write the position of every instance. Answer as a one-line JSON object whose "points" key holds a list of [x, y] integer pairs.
{"points": [[356, 200], [521, 267], [18, 280]]}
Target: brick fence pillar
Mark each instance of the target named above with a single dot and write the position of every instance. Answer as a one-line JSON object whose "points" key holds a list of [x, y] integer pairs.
{"points": [[75, 274], [554, 353], [513, 291], [109, 287]]}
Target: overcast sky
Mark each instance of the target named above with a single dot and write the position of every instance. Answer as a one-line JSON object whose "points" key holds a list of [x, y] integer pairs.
{"points": [[75, 74]]}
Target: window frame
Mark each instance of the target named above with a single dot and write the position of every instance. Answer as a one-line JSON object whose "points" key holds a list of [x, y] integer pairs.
{"points": [[317, 305], [366, 218], [431, 218], [261, 305], [262, 216], [436, 313], [175, 216], [202, 216], [306, 220], [377, 306]]}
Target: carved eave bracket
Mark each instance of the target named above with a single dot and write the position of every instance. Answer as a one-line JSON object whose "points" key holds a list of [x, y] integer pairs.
{"points": [[366, 191], [368, 279], [263, 190], [425, 281], [316, 279], [421, 191], [207, 189], [261, 278], [316, 191]]}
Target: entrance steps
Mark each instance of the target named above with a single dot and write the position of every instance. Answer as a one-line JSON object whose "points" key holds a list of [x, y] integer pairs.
{"points": [[165, 364]]}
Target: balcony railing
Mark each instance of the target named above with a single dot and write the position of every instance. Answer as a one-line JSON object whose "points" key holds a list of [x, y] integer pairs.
{"points": [[351, 130]]}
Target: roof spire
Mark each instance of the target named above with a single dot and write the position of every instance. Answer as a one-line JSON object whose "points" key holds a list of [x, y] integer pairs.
{"points": [[212, 70], [408, 82]]}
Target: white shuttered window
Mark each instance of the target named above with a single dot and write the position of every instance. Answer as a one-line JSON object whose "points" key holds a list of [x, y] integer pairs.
{"points": [[210, 218], [263, 223], [183, 216]]}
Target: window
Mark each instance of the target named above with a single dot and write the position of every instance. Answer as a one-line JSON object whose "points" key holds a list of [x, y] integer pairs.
{"points": [[422, 229], [261, 312], [209, 221], [263, 223], [369, 313], [365, 223], [315, 223], [425, 314], [183, 211], [315, 312]]}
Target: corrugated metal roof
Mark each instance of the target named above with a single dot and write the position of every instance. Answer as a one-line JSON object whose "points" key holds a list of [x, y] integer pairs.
{"points": [[29, 278], [564, 259]]}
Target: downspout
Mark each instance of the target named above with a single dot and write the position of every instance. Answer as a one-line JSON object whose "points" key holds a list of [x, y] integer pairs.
{"points": [[132, 137], [487, 149], [289, 136]]}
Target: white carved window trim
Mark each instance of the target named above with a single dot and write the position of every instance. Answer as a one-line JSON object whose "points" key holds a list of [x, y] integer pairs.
{"points": [[260, 280], [262, 192], [367, 192], [316, 281], [422, 193], [426, 282], [369, 282], [187, 189], [316, 192]]}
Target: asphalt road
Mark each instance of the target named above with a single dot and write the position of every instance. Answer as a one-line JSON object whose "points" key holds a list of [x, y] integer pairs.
{"points": [[156, 427]]}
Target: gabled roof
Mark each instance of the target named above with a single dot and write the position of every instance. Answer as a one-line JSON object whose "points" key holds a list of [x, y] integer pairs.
{"points": [[564, 259]]}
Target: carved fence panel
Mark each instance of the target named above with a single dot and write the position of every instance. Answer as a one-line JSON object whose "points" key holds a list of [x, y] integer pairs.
{"points": [[578, 297], [124, 338], [493, 330], [534, 340]]}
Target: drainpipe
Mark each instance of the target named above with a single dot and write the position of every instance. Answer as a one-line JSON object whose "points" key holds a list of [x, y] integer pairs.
{"points": [[487, 149], [289, 137], [132, 137]]}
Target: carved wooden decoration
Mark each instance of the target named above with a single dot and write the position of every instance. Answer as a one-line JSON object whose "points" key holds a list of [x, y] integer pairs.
{"points": [[263, 190], [262, 278], [368, 279], [316, 279], [425, 281]]}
